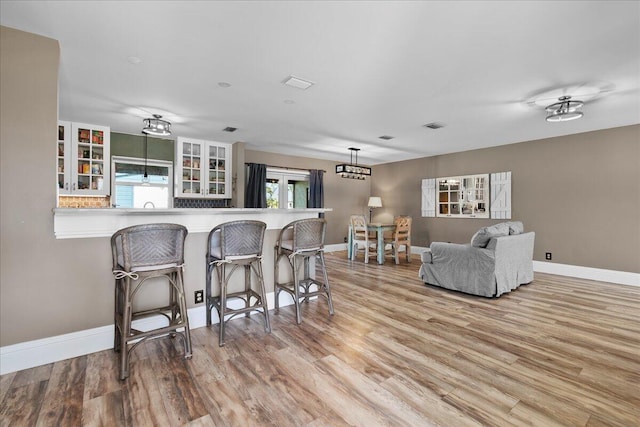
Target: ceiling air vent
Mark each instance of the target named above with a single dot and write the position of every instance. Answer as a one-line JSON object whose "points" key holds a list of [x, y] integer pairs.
{"points": [[297, 82], [386, 137], [230, 129], [434, 125]]}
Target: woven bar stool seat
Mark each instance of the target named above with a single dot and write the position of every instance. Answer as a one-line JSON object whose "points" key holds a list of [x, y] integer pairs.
{"points": [[150, 255], [298, 243], [230, 246]]}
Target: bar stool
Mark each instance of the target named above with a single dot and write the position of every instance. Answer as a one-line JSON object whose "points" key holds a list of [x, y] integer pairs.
{"points": [[234, 244], [140, 253], [297, 243]]}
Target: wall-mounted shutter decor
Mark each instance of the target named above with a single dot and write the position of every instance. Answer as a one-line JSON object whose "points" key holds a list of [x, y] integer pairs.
{"points": [[429, 197], [501, 195]]}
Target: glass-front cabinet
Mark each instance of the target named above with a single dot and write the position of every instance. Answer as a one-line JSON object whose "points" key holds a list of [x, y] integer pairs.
{"points": [[203, 169], [83, 163], [63, 158], [463, 196]]}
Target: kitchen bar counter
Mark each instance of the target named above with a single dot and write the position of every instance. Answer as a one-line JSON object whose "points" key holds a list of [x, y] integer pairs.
{"points": [[74, 223]]}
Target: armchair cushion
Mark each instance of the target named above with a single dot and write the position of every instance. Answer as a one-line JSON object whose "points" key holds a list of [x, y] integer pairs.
{"points": [[515, 227], [482, 236], [426, 256]]}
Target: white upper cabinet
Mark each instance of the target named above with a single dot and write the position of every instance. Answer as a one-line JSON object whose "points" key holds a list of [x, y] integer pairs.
{"points": [[83, 160], [203, 169]]}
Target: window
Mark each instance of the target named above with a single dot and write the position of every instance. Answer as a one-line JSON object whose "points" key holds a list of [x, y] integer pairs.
{"points": [[287, 189], [129, 190]]}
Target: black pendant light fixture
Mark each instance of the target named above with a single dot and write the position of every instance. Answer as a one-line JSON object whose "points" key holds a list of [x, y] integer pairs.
{"points": [[145, 177], [352, 170]]}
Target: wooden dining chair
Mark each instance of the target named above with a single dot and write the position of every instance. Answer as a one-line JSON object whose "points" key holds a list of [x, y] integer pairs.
{"points": [[360, 239], [401, 237]]}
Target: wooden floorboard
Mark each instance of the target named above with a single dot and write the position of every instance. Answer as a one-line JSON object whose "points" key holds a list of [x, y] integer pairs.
{"points": [[557, 352]]}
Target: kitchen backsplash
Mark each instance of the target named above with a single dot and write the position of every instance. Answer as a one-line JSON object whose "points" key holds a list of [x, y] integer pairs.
{"points": [[201, 203], [84, 202], [105, 202]]}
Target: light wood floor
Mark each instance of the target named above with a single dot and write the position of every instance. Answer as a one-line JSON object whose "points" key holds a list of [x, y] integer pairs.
{"points": [[559, 351]]}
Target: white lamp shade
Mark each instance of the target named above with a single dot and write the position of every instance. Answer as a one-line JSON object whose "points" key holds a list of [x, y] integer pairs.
{"points": [[375, 202]]}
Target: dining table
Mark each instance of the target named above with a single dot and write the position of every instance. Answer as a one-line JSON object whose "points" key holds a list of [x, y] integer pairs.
{"points": [[379, 228]]}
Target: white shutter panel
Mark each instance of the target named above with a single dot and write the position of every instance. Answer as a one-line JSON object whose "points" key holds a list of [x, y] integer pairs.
{"points": [[429, 197], [501, 195]]}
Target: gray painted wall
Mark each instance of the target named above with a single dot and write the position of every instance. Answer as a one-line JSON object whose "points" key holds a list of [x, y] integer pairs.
{"points": [[579, 193]]}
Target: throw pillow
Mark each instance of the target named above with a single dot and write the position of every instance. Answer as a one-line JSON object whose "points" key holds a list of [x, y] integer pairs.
{"points": [[482, 236], [515, 227]]}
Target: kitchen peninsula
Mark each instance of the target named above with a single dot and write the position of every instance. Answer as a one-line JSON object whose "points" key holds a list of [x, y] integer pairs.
{"points": [[73, 223]]}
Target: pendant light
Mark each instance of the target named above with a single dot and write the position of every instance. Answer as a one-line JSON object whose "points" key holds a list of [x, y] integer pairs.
{"points": [[145, 177], [352, 170], [156, 126]]}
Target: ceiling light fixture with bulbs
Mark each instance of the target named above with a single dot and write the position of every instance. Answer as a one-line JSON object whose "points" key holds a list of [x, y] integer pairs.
{"points": [[564, 110], [352, 170], [156, 126]]}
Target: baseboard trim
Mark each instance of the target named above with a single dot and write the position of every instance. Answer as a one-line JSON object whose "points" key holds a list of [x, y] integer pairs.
{"points": [[343, 247], [52, 349], [589, 273], [335, 248]]}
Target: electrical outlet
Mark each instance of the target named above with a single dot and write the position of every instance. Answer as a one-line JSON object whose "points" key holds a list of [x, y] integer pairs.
{"points": [[198, 296], [345, 239], [547, 256]]}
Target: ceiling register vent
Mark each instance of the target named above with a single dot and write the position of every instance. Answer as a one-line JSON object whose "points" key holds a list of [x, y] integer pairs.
{"points": [[230, 129], [297, 82], [386, 137], [434, 125]]}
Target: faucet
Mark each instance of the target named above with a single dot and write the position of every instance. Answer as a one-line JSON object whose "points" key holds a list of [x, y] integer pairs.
{"points": [[149, 203]]}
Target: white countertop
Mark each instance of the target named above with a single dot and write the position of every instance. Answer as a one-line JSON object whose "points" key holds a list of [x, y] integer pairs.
{"points": [[71, 223]]}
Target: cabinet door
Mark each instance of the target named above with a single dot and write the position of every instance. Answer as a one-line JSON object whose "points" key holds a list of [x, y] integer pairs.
{"points": [[90, 160], [63, 158], [189, 168], [218, 170]]}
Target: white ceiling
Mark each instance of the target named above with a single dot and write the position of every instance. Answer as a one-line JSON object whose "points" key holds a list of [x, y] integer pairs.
{"points": [[380, 68]]}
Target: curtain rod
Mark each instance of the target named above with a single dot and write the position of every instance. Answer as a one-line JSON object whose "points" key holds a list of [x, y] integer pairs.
{"points": [[283, 167]]}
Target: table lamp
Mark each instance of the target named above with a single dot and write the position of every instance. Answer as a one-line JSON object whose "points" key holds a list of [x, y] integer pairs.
{"points": [[374, 202]]}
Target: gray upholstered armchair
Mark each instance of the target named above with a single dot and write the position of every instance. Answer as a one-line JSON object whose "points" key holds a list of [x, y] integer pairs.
{"points": [[498, 260]]}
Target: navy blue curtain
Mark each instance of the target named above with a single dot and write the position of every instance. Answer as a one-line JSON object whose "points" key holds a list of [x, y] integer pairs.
{"points": [[316, 189], [255, 195]]}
